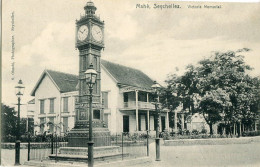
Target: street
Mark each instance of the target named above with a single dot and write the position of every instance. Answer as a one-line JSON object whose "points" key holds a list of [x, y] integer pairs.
{"points": [[208, 155], [197, 155]]}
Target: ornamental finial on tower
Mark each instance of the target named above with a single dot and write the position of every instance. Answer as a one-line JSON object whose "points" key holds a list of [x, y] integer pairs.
{"points": [[90, 8]]}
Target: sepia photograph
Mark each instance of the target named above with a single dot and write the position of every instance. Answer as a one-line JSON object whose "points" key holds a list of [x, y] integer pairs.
{"points": [[130, 83]]}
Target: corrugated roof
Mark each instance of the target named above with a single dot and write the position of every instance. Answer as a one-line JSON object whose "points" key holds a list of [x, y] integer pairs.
{"points": [[63, 81], [123, 75], [128, 76], [66, 82]]}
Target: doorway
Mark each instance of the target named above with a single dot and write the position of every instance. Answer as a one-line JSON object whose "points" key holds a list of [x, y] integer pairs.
{"points": [[163, 123], [125, 123]]}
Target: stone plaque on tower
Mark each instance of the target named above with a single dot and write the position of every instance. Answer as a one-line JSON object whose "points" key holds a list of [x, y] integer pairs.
{"points": [[89, 42]]}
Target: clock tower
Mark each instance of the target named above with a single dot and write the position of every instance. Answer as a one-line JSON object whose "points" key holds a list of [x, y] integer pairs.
{"points": [[89, 42]]}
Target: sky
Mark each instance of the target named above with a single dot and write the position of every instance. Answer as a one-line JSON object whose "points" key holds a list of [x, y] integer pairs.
{"points": [[154, 41]]}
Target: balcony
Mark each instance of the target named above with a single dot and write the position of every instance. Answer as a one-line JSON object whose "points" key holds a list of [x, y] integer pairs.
{"points": [[141, 105]]}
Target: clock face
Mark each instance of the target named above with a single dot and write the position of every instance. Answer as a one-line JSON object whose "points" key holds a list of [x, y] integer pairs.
{"points": [[83, 33], [97, 33]]}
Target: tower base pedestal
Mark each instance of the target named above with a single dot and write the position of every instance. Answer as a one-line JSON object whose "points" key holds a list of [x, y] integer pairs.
{"points": [[81, 153], [78, 137]]}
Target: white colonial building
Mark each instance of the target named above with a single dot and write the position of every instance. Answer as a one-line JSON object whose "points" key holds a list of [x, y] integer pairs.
{"points": [[54, 102], [126, 98]]}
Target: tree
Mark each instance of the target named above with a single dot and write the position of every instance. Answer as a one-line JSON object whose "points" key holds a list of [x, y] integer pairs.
{"points": [[228, 72], [248, 102], [170, 101], [23, 126], [220, 88], [212, 105], [8, 121], [184, 88]]}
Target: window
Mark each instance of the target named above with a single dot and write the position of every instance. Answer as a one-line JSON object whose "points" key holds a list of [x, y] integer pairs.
{"points": [[95, 87], [41, 106], [125, 123], [51, 105], [151, 97], [96, 114], [106, 119], [162, 123], [95, 63], [146, 122], [142, 96], [42, 124], [65, 124], [65, 104], [84, 63], [51, 124], [125, 97], [105, 99], [31, 125]]}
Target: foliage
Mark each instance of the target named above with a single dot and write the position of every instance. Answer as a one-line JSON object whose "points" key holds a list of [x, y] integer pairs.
{"points": [[203, 131], [35, 138], [130, 137], [9, 124], [181, 90], [194, 135], [8, 138], [165, 135], [218, 87], [8, 121], [195, 132], [251, 133]]}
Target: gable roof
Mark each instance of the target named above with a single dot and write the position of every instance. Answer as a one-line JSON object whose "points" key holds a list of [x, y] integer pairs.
{"points": [[66, 82], [63, 81], [123, 75], [127, 76]]}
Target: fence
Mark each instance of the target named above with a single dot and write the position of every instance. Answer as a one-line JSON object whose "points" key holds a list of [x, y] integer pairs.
{"points": [[131, 145], [42, 150]]}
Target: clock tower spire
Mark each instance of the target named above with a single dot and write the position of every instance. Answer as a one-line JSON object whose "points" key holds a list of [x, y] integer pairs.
{"points": [[90, 8], [90, 42]]}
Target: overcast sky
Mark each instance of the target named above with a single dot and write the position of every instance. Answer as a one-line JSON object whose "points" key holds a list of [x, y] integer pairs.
{"points": [[152, 40]]}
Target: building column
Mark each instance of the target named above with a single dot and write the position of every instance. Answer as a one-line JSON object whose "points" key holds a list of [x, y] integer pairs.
{"points": [[160, 123], [136, 110], [182, 121], [58, 117], [240, 129], [148, 113], [167, 121], [147, 97], [235, 129], [148, 120], [175, 121]]}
